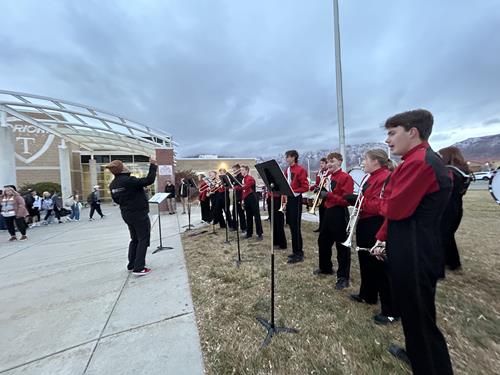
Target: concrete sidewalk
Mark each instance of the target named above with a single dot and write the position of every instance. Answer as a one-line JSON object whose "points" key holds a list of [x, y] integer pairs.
{"points": [[69, 306]]}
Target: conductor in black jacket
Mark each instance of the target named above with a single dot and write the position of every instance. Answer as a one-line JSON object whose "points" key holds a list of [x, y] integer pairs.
{"points": [[128, 192]]}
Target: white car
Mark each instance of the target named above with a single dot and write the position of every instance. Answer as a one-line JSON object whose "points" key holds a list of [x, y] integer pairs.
{"points": [[485, 176]]}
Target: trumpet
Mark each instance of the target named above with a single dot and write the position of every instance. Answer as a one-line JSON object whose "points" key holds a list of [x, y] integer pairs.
{"points": [[283, 204], [353, 219], [317, 200]]}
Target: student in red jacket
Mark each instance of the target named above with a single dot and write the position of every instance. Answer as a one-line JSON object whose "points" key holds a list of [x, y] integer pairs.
{"points": [[413, 204], [374, 277], [251, 203], [334, 228], [323, 171], [297, 178]]}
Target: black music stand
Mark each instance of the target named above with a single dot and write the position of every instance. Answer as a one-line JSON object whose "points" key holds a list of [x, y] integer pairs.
{"points": [[226, 182], [157, 199], [235, 181], [276, 182]]}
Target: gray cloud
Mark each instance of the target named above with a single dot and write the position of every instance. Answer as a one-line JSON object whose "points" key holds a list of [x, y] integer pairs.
{"points": [[246, 78]]}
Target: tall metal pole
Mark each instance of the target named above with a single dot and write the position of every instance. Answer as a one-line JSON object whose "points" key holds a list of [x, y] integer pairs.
{"points": [[338, 71]]}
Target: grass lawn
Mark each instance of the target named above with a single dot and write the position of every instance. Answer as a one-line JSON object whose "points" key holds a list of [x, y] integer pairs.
{"points": [[337, 336]]}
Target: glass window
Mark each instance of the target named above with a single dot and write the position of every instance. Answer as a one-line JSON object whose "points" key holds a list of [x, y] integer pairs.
{"points": [[85, 159], [141, 159], [102, 159], [123, 158]]}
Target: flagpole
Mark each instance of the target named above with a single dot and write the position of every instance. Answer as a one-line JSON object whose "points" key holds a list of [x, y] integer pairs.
{"points": [[338, 71]]}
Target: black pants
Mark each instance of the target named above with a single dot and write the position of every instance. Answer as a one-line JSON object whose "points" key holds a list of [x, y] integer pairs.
{"points": [[321, 211], [140, 229], [279, 237], [226, 202], [449, 225], [57, 214], [333, 231], [374, 272], [294, 221], [414, 286], [217, 200], [20, 223], [253, 213], [95, 207], [238, 210], [205, 210]]}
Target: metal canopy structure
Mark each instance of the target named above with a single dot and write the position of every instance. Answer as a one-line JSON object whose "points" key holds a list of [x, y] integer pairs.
{"points": [[91, 129]]}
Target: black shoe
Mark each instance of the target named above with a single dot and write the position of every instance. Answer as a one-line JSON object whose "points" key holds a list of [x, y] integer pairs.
{"points": [[399, 353], [357, 298], [247, 237], [384, 320], [342, 283], [316, 230], [319, 272], [295, 259], [291, 256], [278, 247], [260, 238]]}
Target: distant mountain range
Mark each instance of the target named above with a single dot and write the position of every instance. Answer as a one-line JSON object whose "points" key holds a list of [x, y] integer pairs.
{"points": [[481, 149]]}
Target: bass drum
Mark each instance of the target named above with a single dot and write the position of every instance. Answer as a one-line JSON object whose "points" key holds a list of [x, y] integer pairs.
{"points": [[494, 185], [357, 175]]}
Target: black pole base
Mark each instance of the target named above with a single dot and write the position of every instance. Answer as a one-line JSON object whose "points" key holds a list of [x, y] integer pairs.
{"points": [[160, 248], [272, 330]]}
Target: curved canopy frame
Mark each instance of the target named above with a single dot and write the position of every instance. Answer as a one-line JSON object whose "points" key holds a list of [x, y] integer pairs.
{"points": [[91, 129]]}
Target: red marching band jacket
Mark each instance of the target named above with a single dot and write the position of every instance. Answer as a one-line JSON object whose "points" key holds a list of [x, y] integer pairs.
{"points": [[372, 190], [299, 181], [413, 179], [321, 173], [248, 186], [203, 190], [341, 184]]}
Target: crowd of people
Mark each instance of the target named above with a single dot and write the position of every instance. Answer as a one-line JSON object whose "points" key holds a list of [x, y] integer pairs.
{"points": [[22, 211]]}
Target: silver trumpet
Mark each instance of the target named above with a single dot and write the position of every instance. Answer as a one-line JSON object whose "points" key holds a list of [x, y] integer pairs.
{"points": [[353, 219]]}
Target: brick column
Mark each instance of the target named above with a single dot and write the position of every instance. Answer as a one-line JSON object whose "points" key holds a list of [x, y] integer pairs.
{"points": [[166, 170]]}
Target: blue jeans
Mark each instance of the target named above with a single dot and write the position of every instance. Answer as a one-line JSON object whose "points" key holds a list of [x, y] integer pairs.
{"points": [[75, 212]]}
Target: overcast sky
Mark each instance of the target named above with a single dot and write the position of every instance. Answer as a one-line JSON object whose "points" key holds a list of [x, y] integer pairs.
{"points": [[255, 77]]}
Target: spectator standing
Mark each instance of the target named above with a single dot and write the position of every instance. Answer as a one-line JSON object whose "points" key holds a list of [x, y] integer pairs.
{"points": [[14, 213], [170, 189]]}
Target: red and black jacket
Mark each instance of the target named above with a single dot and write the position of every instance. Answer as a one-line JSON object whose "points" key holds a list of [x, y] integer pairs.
{"points": [[372, 189], [248, 186], [341, 184], [299, 181], [203, 190], [413, 203]]}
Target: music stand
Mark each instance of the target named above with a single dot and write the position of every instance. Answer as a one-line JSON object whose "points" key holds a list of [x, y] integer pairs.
{"points": [[235, 181], [276, 182], [226, 182], [190, 184], [157, 199]]}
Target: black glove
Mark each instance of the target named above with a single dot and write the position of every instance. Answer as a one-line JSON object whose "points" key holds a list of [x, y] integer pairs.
{"points": [[351, 199], [316, 189], [323, 194]]}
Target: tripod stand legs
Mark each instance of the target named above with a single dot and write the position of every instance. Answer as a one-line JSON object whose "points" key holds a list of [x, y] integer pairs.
{"points": [[272, 330]]}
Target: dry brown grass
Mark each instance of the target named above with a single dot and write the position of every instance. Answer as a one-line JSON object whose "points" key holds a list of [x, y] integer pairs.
{"points": [[337, 336]]}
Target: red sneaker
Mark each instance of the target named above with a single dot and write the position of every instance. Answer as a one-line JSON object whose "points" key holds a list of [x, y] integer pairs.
{"points": [[144, 272]]}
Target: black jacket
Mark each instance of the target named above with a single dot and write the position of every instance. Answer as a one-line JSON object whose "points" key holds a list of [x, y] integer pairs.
{"points": [[183, 189], [170, 189], [128, 192]]}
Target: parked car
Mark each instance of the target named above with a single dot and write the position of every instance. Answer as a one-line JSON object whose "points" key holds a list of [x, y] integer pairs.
{"points": [[484, 175]]}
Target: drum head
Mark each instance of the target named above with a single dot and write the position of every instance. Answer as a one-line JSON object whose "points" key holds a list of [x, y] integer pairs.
{"points": [[494, 186], [357, 175]]}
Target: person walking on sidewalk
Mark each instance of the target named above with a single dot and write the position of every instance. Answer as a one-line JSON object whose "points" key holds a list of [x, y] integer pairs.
{"points": [[128, 192], [14, 212], [94, 200]]}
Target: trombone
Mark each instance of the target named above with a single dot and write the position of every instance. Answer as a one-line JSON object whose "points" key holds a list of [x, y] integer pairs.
{"points": [[317, 200]]}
